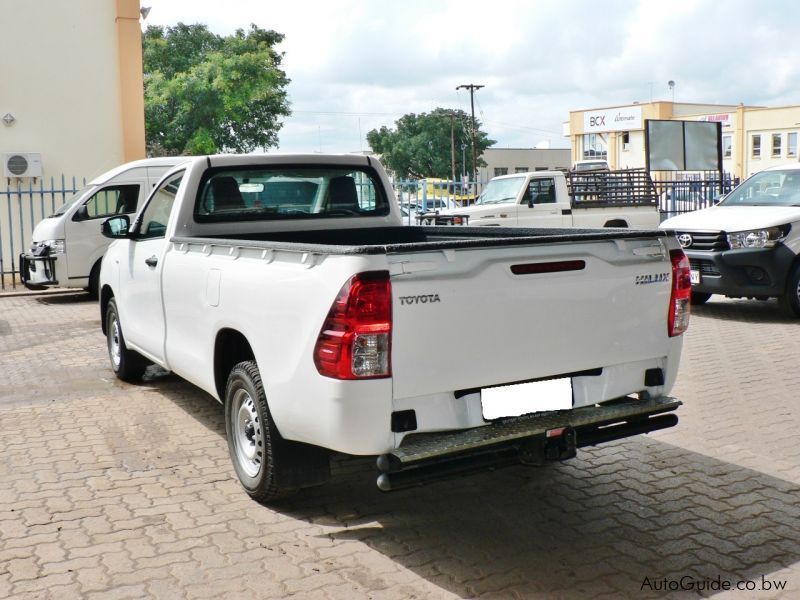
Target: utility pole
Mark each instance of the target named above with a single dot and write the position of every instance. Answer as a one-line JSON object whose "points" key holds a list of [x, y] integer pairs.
{"points": [[472, 87], [453, 150]]}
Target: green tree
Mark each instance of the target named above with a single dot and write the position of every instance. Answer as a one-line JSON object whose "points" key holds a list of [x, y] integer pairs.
{"points": [[420, 145], [205, 93]]}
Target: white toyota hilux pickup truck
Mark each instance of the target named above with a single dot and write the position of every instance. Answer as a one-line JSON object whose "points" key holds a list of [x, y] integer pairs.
{"points": [[287, 288], [749, 244]]}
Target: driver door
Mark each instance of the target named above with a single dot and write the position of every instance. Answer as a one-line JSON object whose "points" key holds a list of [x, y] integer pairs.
{"points": [[538, 207], [140, 277]]}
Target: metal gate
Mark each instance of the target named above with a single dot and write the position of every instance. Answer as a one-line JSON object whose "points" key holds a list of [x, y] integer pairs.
{"points": [[22, 206]]}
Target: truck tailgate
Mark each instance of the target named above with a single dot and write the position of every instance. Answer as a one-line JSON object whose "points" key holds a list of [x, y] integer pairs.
{"points": [[473, 318]]}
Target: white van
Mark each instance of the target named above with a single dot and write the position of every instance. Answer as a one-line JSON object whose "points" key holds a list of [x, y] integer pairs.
{"points": [[67, 246]]}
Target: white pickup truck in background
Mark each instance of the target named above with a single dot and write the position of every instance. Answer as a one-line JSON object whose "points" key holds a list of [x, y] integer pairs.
{"points": [[67, 246], [748, 246], [286, 287], [594, 198]]}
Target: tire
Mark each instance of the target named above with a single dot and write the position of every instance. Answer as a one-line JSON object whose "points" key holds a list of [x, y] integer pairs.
{"points": [[267, 466], [790, 300], [699, 298], [126, 364]]}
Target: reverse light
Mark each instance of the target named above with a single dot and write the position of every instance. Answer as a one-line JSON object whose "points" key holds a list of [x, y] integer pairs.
{"points": [[757, 238], [680, 298], [355, 340]]}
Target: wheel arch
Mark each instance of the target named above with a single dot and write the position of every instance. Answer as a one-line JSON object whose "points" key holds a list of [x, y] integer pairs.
{"points": [[230, 348]]}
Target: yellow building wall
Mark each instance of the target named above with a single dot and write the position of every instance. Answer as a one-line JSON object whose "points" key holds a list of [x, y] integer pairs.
{"points": [[71, 76]]}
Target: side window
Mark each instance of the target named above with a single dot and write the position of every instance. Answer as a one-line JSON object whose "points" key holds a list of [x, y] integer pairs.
{"points": [[153, 222], [112, 200], [540, 191]]}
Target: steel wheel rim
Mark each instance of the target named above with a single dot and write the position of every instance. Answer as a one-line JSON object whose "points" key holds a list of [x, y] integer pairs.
{"points": [[248, 438], [114, 345]]}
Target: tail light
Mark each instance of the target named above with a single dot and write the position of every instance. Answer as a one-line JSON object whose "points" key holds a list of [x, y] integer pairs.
{"points": [[680, 299], [356, 338]]}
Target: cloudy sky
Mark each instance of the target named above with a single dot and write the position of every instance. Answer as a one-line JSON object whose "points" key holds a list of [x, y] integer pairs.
{"points": [[356, 65]]}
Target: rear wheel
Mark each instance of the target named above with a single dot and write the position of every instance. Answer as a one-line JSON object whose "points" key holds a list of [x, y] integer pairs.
{"points": [[126, 364], [268, 466], [699, 298], [790, 300]]}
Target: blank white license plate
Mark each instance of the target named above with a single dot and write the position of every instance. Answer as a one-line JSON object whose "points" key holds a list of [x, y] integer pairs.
{"points": [[694, 276], [524, 398]]}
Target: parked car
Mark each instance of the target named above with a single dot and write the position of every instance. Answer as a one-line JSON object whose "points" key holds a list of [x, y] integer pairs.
{"points": [[67, 246], [591, 165], [623, 198], [314, 323], [748, 245]]}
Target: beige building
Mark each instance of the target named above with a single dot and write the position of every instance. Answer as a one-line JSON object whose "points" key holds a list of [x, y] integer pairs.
{"points": [[506, 161], [71, 85], [71, 104], [753, 137]]}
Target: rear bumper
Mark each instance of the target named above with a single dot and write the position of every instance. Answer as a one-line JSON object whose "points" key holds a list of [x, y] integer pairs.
{"points": [[528, 439], [742, 272], [38, 272]]}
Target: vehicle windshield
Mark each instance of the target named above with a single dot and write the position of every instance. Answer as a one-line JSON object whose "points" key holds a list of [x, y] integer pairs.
{"points": [[500, 191], [768, 188], [289, 192], [68, 204]]}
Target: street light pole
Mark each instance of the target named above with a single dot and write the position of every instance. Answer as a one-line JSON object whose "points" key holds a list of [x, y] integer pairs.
{"points": [[472, 87]]}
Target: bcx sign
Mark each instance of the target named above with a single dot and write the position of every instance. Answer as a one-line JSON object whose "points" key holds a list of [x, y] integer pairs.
{"points": [[613, 119]]}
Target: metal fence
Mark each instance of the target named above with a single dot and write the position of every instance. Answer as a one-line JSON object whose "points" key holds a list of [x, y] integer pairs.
{"points": [[680, 192], [22, 205]]}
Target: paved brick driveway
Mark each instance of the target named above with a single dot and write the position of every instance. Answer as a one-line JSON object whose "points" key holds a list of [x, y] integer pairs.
{"points": [[110, 490]]}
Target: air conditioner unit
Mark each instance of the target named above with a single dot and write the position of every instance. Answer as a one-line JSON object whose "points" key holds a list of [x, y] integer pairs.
{"points": [[22, 164]]}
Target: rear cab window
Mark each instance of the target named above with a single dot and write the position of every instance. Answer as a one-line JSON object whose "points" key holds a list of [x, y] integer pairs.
{"points": [[281, 192]]}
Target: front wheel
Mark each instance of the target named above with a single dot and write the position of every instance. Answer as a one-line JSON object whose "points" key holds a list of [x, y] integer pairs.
{"points": [[126, 364], [790, 300]]}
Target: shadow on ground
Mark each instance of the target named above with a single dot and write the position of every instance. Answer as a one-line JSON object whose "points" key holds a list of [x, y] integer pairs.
{"points": [[618, 520]]}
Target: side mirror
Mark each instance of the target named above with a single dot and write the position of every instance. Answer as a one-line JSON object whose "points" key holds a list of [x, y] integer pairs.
{"points": [[82, 214], [116, 227], [719, 199]]}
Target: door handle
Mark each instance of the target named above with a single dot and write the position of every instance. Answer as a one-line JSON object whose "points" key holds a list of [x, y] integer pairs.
{"points": [[151, 262]]}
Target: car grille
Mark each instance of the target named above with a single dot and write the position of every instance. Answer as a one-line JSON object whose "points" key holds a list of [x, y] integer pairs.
{"points": [[706, 267], [711, 241]]}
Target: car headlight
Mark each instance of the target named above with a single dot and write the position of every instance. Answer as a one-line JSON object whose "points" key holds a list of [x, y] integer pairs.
{"points": [[56, 246], [757, 238]]}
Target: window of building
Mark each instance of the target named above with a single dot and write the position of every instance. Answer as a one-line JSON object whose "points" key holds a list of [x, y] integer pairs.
{"points": [[727, 146], [594, 146], [542, 168], [500, 171], [520, 169], [791, 144], [777, 138], [756, 145], [626, 141]]}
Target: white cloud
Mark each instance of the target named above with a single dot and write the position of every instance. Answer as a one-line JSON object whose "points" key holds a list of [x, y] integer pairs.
{"points": [[356, 65]]}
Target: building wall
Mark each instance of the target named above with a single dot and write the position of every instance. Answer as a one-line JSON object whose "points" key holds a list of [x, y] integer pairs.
{"points": [[72, 78], [739, 125], [529, 159]]}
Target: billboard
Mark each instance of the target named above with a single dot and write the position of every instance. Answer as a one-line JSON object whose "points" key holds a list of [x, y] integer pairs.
{"points": [[612, 119], [683, 145]]}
